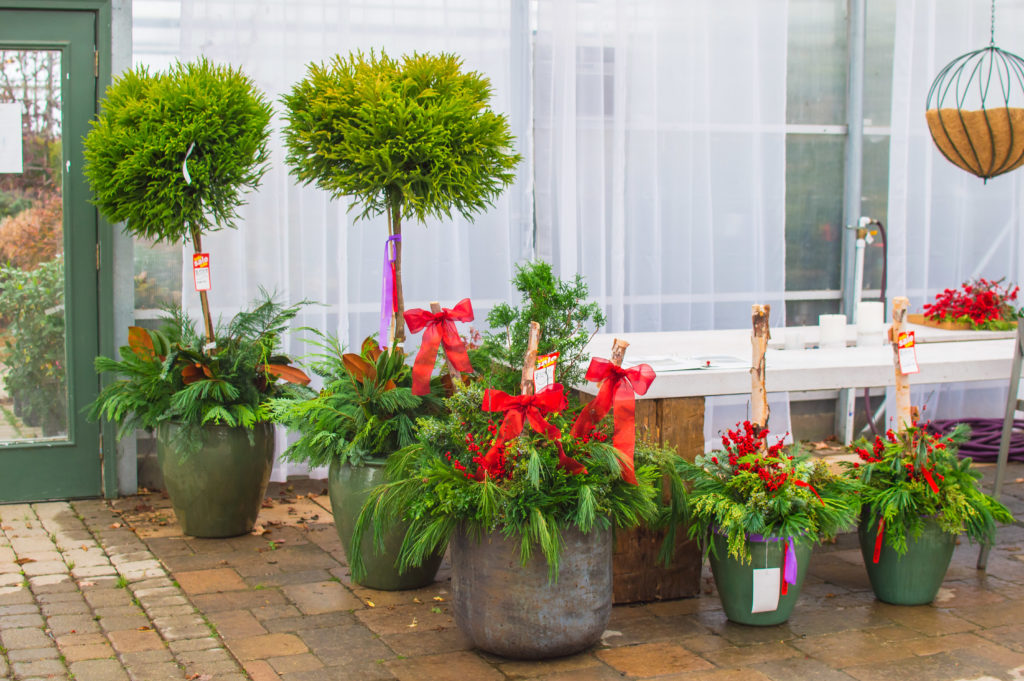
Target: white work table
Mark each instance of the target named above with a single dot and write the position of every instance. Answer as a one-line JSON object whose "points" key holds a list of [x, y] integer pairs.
{"points": [[672, 411], [943, 356]]}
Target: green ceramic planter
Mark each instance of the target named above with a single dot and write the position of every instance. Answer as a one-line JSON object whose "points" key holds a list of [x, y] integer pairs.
{"points": [[349, 487], [217, 491], [915, 577], [735, 580]]}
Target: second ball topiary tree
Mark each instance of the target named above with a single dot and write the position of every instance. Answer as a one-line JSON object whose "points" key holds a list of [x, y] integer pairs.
{"points": [[410, 137]]}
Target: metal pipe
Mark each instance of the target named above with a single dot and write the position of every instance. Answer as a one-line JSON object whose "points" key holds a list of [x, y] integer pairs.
{"points": [[852, 187]]}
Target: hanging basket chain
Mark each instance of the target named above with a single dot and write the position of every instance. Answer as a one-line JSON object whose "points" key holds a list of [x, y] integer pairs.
{"points": [[992, 26]]}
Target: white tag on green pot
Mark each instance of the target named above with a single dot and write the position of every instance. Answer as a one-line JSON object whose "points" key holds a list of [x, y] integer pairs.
{"points": [[766, 590]]}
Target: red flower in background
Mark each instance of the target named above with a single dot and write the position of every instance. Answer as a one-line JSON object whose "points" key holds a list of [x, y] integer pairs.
{"points": [[982, 304]]}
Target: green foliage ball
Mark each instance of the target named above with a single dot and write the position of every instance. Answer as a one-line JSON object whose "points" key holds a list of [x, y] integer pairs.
{"points": [[416, 134], [135, 149]]}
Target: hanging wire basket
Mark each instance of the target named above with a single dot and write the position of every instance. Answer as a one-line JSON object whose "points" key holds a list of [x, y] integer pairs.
{"points": [[975, 110]]}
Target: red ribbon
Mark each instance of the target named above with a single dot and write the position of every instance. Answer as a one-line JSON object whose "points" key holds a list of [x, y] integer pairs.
{"points": [[879, 536], [785, 552], [929, 479], [439, 329], [618, 387], [801, 483], [520, 410]]}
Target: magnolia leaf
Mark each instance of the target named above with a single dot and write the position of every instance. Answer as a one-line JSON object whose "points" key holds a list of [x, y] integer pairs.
{"points": [[370, 349], [288, 373], [191, 373], [358, 367], [140, 342], [390, 385]]}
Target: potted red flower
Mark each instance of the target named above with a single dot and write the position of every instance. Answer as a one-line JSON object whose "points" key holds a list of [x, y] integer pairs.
{"points": [[979, 304], [758, 509], [917, 498]]}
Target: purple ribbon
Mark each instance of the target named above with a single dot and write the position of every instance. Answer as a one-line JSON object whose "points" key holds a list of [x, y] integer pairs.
{"points": [[387, 293], [789, 564]]}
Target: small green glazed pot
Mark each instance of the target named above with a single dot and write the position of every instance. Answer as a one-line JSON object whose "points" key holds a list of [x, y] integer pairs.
{"points": [[735, 579], [349, 487], [217, 491], [915, 577]]}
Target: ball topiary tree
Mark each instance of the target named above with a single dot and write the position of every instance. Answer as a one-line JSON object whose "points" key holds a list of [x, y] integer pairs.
{"points": [[411, 137], [170, 154]]}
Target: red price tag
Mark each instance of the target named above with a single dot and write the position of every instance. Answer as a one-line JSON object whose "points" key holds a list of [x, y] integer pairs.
{"points": [[201, 271], [544, 375], [907, 353]]}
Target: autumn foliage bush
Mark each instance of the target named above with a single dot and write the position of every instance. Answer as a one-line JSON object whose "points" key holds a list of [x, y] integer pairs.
{"points": [[34, 235]]}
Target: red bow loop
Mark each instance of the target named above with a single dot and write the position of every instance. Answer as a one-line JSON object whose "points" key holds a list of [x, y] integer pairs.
{"points": [[438, 330], [520, 410], [640, 377], [618, 391]]}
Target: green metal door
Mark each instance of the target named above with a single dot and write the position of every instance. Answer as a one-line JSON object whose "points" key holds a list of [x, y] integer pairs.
{"points": [[48, 257]]}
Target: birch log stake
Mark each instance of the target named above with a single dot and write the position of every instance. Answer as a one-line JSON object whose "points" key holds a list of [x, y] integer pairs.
{"points": [[454, 373], [618, 351], [759, 341], [526, 385], [904, 417]]}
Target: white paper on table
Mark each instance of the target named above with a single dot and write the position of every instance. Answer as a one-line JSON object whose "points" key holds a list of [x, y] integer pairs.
{"points": [[663, 363], [11, 156], [766, 590], [666, 363]]}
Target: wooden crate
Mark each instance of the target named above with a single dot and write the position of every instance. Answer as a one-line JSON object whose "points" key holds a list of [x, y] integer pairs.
{"points": [[948, 326], [676, 422]]}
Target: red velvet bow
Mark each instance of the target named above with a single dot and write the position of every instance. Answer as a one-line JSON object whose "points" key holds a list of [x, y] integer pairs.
{"points": [[439, 329], [520, 410], [617, 390]]}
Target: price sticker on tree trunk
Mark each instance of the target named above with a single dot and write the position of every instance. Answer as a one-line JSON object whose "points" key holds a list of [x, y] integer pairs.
{"points": [[544, 375], [907, 353], [201, 271]]}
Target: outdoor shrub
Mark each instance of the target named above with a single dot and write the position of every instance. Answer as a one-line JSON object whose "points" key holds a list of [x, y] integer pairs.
{"points": [[32, 301], [34, 235]]}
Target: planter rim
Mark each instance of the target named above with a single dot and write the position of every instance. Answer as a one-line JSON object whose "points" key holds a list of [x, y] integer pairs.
{"points": [[470, 527], [872, 521], [797, 539], [370, 462], [213, 426]]}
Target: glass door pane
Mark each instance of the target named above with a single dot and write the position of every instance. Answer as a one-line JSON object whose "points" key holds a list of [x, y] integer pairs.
{"points": [[33, 362]]}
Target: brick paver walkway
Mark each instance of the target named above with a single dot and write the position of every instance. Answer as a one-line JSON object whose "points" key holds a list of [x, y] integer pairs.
{"points": [[102, 592]]}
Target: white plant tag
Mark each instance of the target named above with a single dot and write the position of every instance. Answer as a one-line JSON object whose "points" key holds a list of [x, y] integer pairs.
{"points": [[184, 164], [766, 590]]}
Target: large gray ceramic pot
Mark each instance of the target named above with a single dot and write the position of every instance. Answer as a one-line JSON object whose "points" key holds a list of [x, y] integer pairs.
{"points": [[217, 490], [515, 611], [349, 486]]}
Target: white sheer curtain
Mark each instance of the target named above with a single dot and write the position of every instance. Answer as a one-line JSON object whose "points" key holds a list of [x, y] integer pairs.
{"points": [[298, 241], [660, 162], [945, 225]]}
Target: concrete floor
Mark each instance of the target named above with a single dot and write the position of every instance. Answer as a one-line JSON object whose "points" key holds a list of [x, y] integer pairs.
{"points": [[100, 591]]}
